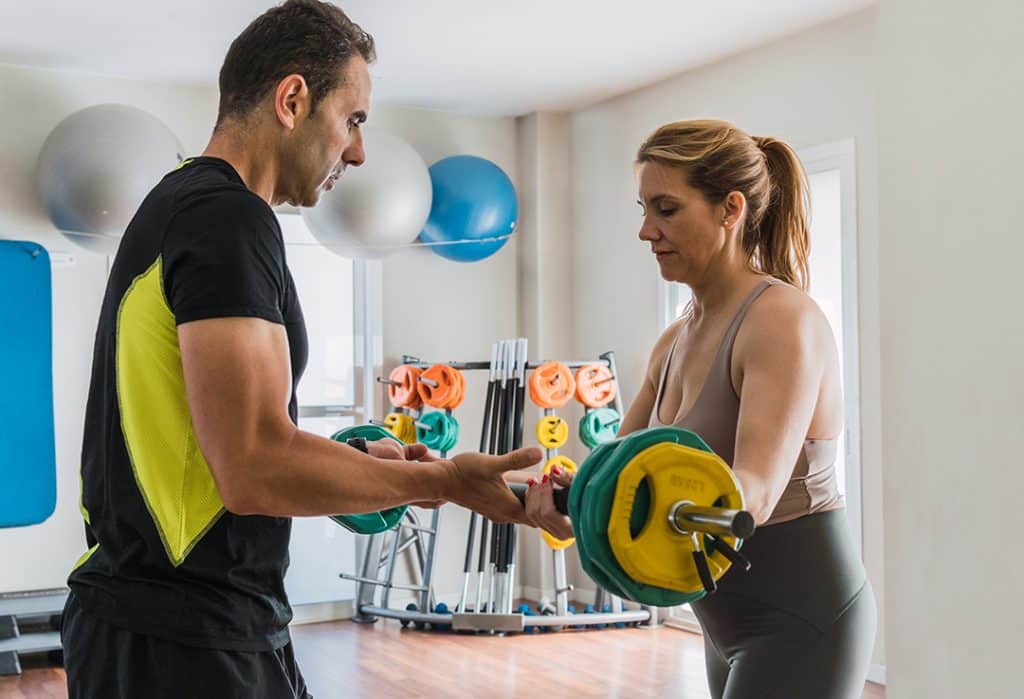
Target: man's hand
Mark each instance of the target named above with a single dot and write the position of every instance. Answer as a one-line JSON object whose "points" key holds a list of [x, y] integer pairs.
{"points": [[476, 481]]}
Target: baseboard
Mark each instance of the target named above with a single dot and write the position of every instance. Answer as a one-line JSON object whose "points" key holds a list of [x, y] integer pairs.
{"points": [[322, 611], [580, 594], [684, 620], [877, 674], [345, 609]]}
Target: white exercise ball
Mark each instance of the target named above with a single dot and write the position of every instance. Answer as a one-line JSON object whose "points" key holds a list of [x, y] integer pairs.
{"points": [[378, 207], [97, 166]]}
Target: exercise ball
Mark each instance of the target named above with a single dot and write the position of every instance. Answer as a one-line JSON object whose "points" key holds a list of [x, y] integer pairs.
{"points": [[375, 208], [97, 166], [474, 200]]}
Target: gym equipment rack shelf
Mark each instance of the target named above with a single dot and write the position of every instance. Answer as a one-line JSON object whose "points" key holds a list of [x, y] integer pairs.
{"points": [[381, 552], [29, 623]]}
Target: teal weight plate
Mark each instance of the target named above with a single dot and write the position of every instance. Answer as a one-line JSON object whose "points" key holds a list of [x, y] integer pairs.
{"points": [[595, 537], [598, 426], [370, 522], [443, 432], [600, 495], [580, 516]]}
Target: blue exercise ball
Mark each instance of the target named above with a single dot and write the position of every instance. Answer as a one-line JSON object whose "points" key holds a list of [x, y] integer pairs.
{"points": [[474, 200]]}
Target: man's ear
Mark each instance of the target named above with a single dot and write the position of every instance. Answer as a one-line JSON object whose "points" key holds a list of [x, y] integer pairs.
{"points": [[291, 100]]}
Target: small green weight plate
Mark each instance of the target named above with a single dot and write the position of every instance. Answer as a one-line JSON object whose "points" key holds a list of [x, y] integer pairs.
{"points": [[443, 432], [599, 426], [370, 522]]}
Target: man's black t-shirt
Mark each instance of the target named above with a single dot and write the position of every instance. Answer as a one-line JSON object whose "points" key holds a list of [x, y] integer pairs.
{"points": [[166, 558]]}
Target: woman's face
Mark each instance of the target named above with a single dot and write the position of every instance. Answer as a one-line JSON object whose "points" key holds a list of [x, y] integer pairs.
{"points": [[686, 232]]}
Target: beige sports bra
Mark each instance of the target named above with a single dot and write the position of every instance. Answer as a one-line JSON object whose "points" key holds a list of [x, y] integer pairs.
{"points": [[813, 485]]}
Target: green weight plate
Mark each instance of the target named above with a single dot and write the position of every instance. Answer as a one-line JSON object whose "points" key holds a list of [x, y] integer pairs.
{"points": [[591, 534], [453, 435], [443, 432], [599, 426], [588, 468], [370, 522], [585, 471], [601, 493], [594, 531]]}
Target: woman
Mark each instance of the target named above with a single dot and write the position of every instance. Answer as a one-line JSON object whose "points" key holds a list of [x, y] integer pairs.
{"points": [[752, 367]]}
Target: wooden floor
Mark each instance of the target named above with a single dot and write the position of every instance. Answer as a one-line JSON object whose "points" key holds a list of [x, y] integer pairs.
{"points": [[343, 659]]}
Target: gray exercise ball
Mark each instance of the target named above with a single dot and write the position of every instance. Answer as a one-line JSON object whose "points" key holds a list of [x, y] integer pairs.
{"points": [[97, 166], [378, 207]]}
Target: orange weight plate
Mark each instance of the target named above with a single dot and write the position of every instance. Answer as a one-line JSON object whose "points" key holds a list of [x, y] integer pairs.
{"points": [[442, 387], [595, 386], [552, 385], [403, 391]]}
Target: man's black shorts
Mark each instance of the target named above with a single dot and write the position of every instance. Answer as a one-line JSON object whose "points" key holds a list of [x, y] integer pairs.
{"points": [[107, 662]]}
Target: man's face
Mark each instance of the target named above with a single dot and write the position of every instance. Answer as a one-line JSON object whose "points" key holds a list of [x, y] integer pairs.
{"points": [[331, 139]]}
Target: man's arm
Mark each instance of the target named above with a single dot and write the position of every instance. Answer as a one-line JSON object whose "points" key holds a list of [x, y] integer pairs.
{"points": [[238, 384]]}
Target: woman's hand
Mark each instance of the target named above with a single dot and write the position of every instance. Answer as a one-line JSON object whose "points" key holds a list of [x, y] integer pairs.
{"points": [[540, 503]]}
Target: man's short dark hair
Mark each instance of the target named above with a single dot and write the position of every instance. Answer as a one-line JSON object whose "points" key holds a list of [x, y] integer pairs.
{"points": [[312, 38]]}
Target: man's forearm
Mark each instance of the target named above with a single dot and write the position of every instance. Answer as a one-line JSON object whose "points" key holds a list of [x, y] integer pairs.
{"points": [[297, 473]]}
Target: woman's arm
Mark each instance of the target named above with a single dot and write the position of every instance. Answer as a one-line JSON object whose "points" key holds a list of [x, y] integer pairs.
{"points": [[779, 360]]}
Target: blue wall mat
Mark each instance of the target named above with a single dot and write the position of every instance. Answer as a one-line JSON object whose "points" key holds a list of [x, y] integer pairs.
{"points": [[28, 467]]}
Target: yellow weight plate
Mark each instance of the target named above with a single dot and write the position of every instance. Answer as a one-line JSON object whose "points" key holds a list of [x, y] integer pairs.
{"points": [[402, 426], [566, 464], [659, 555], [552, 432], [562, 462]]}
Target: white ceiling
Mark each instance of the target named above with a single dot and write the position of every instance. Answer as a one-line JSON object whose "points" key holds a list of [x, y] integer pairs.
{"points": [[480, 56]]}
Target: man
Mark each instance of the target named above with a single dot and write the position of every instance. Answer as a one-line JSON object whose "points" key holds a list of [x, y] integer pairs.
{"points": [[192, 462]]}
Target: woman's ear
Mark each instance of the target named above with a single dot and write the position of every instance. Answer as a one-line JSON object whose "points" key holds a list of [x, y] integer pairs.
{"points": [[734, 209]]}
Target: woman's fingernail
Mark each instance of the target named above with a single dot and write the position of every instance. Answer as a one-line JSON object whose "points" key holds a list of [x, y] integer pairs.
{"points": [[555, 470], [545, 479], [531, 482]]}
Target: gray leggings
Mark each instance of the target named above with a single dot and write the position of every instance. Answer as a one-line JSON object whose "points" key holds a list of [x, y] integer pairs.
{"points": [[801, 623]]}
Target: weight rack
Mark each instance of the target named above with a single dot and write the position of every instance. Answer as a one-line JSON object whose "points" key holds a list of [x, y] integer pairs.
{"points": [[29, 623], [508, 366]]}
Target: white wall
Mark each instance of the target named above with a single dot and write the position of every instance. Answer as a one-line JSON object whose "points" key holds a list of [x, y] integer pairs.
{"points": [[432, 307], [813, 88], [952, 340]]}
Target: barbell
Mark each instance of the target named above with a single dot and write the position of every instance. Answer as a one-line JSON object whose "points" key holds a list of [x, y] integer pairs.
{"points": [[657, 516]]}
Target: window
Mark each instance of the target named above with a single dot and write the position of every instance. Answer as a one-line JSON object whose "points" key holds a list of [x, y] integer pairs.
{"points": [[340, 300], [833, 266], [832, 176]]}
